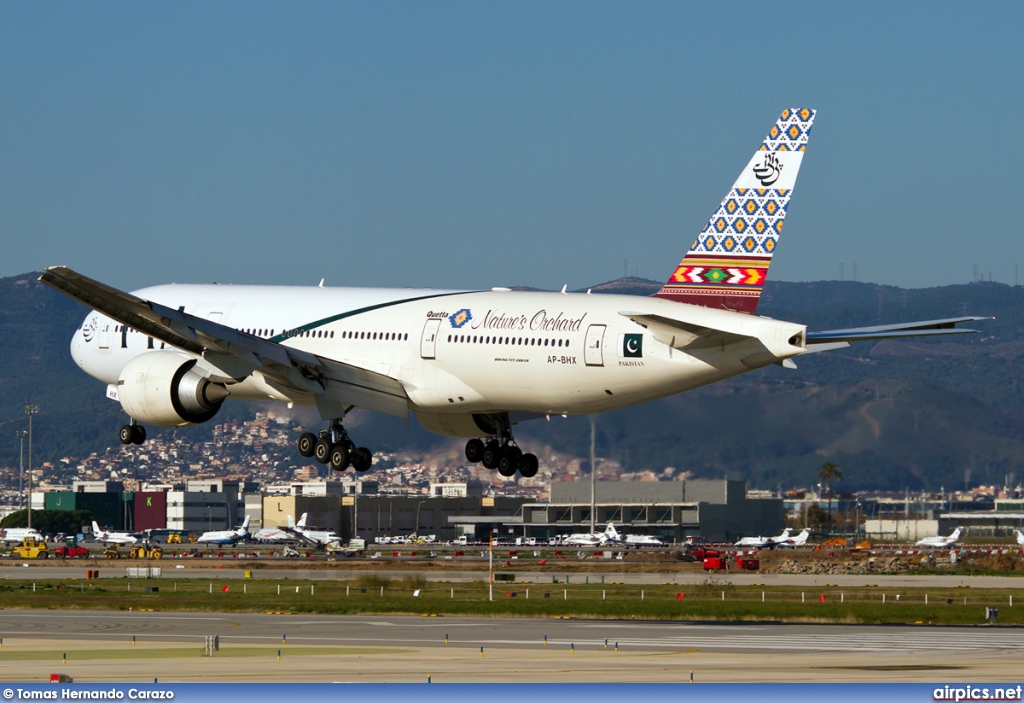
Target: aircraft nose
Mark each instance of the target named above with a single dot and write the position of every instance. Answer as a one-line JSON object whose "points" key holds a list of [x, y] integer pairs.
{"points": [[78, 349]]}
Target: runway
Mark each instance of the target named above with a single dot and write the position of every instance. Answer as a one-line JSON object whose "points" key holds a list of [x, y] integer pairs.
{"points": [[408, 649]]}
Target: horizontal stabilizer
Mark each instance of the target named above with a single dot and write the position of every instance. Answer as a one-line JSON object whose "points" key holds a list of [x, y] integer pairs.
{"points": [[926, 328], [684, 335]]}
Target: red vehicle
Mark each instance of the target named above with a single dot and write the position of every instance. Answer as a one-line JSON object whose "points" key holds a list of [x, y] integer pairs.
{"points": [[700, 553], [69, 552]]}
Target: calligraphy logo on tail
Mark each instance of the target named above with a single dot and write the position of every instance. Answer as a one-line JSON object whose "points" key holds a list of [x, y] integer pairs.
{"points": [[770, 170], [631, 345], [460, 317]]}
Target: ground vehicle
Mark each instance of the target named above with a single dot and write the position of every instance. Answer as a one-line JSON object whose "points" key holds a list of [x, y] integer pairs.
{"points": [[146, 552], [70, 551], [32, 548]]}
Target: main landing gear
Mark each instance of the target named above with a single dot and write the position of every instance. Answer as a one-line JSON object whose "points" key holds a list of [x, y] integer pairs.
{"points": [[132, 434], [502, 454], [334, 447]]}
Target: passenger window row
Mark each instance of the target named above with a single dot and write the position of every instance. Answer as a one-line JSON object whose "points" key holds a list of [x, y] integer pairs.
{"points": [[519, 341], [379, 336]]}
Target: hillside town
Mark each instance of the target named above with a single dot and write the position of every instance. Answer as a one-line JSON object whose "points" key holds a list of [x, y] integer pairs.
{"points": [[252, 461]]}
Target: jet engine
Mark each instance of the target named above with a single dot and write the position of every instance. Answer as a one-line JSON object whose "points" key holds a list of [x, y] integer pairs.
{"points": [[162, 388]]}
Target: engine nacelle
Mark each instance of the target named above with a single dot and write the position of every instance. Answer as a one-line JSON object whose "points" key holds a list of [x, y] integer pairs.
{"points": [[460, 424], [161, 388]]}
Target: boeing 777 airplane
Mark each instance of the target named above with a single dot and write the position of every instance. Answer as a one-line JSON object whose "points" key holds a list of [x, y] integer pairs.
{"points": [[466, 363]]}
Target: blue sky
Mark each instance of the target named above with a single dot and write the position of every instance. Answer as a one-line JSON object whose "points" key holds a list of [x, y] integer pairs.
{"points": [[481, 144]]}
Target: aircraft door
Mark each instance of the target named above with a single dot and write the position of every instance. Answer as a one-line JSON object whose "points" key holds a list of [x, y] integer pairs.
{"points": [[428, 342], [103, 338], [593, 350]]}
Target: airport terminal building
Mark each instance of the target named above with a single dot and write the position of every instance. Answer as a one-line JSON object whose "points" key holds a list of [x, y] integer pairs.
{"points": [[718, 510]]}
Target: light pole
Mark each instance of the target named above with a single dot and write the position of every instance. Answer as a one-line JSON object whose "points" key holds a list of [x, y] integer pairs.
{"points": [[30, 410], [417, 526], [21, 434]]}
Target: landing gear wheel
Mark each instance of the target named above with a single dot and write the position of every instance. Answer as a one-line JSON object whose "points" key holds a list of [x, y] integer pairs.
{"points": [[508, 462], [138, 434], [322, 451], [528, 466], [474, 451], [126, 434], [492, 453], [362, 459], [307, 444], [505, 466], [339, 457]]}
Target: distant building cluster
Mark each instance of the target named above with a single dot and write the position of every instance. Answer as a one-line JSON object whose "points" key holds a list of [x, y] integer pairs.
{"points": [[250, 468]]}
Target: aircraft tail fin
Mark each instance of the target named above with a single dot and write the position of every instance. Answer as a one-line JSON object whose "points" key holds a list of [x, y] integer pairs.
{"points": [[291, 522], [96, 528], [728, 262], [302, 520], [245, 523], [611, 533]]}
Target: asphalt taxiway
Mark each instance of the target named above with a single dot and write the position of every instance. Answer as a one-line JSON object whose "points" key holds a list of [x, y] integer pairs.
{"points": [[167, 646], [174, 569]]}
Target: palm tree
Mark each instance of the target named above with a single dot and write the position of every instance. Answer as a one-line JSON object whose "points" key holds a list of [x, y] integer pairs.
{"points": [[829, 472]]}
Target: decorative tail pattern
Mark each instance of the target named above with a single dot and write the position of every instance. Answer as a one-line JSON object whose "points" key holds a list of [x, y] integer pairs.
{"points": [[728, 262]]}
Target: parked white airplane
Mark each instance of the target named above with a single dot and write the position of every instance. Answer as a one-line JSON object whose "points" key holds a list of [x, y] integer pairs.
{"points": [[612, 535], [226, 536], [279, 534], [320, 538], [764, 542], [112, 537], [16, 535], [940, 541], [1020, 536], [593, 539], [799, 541], [467, 363]]}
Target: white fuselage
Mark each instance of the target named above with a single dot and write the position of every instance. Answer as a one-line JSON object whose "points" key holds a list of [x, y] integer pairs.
{"points": [[649, 540], [320, 537], [222, 537], [15, 535], [463, 352], [115, 538]]}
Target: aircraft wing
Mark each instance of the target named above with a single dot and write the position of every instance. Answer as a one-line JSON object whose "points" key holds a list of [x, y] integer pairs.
{"points": [[236, 354], [835, 339], [684, 335]]}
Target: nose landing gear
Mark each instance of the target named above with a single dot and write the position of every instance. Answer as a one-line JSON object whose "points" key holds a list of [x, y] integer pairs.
{"points": [[334, 447], [132, 433]]}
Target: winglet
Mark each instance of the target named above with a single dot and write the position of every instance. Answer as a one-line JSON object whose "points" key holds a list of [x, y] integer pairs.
{"points": [[727, 264]]}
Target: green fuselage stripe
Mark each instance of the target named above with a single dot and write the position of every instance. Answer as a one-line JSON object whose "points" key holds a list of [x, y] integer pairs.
{"points": [[296, 331]]}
